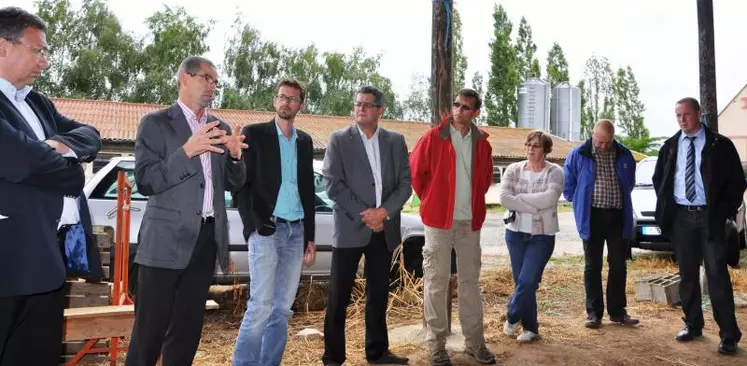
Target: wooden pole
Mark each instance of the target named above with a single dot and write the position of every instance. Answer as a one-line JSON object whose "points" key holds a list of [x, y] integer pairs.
{"points": [[707, 64], [441, 66]]}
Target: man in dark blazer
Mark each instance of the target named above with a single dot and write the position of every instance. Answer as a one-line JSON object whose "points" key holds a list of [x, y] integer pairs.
{"points": [[42, 151], [699, 184], [184, 161], [368, 177], [277, 210]]}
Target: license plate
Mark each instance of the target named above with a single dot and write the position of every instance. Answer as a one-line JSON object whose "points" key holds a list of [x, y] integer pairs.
{"points": [[650, 230]]}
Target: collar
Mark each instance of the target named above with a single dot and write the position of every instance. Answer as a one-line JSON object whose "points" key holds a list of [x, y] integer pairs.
{"points": [[611, 153], [12, 93], [454, 131], [190, 114], [363, 134], [280, 132], [698, 135]]}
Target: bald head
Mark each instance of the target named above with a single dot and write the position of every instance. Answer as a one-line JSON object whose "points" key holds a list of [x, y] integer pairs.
{"points": [[603, 135]]}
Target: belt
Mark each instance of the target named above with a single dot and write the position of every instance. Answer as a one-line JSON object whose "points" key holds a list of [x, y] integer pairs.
{"points": [[207, 220], [692, 208], [281, 220]]}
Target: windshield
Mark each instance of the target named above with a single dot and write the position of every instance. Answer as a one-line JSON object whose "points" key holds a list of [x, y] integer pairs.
{"points": [[644, 172]]}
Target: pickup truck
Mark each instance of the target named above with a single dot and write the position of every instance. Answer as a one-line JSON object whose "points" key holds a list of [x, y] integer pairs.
{"points": [[101, 192]]}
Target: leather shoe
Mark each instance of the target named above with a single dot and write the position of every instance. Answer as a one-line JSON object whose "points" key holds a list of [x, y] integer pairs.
{"points": [[689, 334], [389, 358], [727, 347], [593, 321], [625, 319]]}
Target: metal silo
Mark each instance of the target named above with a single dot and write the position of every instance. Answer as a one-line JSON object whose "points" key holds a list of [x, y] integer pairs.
{"points": [[566, 112], [534, 104]]}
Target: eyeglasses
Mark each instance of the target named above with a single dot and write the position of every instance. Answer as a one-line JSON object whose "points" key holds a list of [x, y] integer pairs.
{"points": [[366, 105], [39, 52], [532, 146], [290, 100], [463, 107], [209, 79]]}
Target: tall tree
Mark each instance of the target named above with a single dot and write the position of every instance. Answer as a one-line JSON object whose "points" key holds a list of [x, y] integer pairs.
{"points": [[459, 59], [586, 118], [598, 76], [174, 35], [629, 107], [557, 66], [478, 84], [527, 65], [92, 56], [418, 103], [503, 77]]}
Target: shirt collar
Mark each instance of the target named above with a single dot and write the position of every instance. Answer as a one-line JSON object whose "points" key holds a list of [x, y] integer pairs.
{"points": [[190, 114], [700, 134], [454, 131], [12, 93], [280, 132], [610, 153], [363, 134]]}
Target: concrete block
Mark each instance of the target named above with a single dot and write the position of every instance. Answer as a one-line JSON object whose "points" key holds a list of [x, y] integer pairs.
{"points": [[664, 289]]}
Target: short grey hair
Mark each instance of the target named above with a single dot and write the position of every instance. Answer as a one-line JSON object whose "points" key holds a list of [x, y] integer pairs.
{"points": [[368, 89], [14, 21], [191, 65]]}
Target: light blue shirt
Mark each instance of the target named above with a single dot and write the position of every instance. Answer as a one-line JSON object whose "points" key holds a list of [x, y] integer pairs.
{"points": [[70, 214], [679, 173], [288, 205]]}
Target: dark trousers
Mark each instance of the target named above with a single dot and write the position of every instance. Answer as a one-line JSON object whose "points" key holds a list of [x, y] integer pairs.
{"points": [[343, 271], [31, 328], [691, 247], [170, 306], [606, 226]]}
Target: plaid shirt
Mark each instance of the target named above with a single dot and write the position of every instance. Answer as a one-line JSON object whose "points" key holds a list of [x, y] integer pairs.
{"points": [[606, 185]]}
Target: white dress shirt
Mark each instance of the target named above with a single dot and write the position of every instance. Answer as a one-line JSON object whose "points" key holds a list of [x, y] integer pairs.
{"points": [[374, 159], [70, 214]]}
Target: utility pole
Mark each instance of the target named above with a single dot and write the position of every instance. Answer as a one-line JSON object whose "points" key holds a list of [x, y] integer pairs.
{"points": [[441, 66], [707, 64]]}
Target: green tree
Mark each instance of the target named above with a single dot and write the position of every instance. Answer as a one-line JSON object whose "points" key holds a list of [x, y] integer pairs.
{"points": [[557, 66], [503, 77], [629, 107], [418, 105], [478, 85], [174, 35], [598, 76], [459, 59], [527, 65], [586, 118]]}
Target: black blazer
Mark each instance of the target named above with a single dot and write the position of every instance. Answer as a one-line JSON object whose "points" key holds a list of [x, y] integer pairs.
{"points": [[33, 181], [256, 201]]}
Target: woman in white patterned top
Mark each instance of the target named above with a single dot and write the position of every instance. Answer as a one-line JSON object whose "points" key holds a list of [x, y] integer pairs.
{"points": [[530, 190]]}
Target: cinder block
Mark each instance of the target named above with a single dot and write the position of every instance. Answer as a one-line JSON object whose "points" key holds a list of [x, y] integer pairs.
{"points": [[643, 289], [665, 289]]}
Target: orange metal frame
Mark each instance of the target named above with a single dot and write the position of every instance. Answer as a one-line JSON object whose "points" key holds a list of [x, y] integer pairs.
{"points": [[120, 295]]}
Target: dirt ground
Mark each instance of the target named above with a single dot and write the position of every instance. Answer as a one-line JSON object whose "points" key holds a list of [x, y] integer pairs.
{"points": [[564, 339]]}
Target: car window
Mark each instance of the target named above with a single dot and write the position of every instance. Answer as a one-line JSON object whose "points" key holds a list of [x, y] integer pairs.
{"points": [[108, 189], [644, 172], [323, 202]]}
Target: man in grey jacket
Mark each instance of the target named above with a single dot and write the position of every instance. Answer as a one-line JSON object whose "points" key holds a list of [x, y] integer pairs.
{"points": [[368, 177], [184, 160]]}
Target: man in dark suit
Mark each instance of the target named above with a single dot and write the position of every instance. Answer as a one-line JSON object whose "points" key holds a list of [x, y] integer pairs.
{"points": [[185, 159], [368, 177], [42, 151], [277, 210], [699, 184]]}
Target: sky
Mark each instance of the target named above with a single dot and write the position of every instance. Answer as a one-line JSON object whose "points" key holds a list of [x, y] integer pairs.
{"points": [[657, 38]]}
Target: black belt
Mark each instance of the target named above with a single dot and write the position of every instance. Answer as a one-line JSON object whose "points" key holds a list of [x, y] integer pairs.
{"points": [[281, 220], [207, 220], [692, 208]]}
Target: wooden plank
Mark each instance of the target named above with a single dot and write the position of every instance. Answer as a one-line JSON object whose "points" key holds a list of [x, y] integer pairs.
{"points": [[96, 311], [106, 270], [71, 348], [211, 305], [106, 258], [88, 288], [100, 326], [86, 301], [104, 241]]}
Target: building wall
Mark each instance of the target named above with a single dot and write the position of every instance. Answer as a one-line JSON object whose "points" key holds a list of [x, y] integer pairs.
{"points": [[732, 122]]}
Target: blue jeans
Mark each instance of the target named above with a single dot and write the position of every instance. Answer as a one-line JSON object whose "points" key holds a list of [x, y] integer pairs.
{"points": [[529, 255], [275, 263]]}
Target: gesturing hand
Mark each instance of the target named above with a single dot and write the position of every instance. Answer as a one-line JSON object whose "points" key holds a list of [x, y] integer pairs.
{"points": [[236, 143], [204, 138]]}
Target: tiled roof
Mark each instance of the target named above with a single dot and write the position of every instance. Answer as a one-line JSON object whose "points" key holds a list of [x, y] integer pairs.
{"points": [[118, 121]]}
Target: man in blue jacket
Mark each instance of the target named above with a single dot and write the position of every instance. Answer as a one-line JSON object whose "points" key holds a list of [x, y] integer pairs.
{"points": [[599, 177]]}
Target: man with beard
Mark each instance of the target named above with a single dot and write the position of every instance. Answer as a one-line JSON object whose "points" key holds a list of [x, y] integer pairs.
{"points": [[184, 160], [277, 209]]}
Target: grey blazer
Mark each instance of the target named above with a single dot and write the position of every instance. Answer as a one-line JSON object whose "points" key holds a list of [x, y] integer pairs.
{"points": [[350, 185], [174, 185]]}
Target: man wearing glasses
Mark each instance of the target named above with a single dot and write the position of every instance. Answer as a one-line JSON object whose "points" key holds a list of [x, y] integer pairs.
{"points": [[599, 178], [277, 209], [40, 176], [185, 159], [368, 177], [452, 170]]}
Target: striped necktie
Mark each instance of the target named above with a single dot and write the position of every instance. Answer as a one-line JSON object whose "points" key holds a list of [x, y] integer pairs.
{"points": [[690, 171]]}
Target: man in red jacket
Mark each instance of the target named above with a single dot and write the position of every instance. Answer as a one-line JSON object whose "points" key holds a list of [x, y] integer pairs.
{"points": [[452, 170]]}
